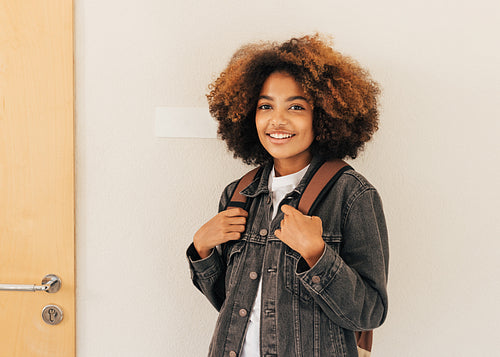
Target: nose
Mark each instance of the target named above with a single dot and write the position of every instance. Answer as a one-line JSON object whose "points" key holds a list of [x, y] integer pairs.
{"points": [[278, 118]]}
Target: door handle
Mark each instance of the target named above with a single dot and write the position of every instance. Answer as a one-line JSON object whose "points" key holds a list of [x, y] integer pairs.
{"points": [[50, 283]]}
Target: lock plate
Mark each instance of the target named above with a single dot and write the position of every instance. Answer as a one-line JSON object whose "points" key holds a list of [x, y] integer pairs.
{"points": [[52, 314]]}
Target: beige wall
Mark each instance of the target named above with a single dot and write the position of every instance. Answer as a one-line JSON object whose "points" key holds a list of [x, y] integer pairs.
{"points": [[140, 198]]}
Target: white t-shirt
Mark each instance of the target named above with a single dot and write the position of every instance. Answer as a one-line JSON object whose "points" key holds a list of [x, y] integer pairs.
{"points": [[279, 187]]}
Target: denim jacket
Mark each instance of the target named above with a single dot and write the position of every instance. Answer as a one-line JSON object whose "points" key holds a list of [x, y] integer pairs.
{"points": [[305, 311]]}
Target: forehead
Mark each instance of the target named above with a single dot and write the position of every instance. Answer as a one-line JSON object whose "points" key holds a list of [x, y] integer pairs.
{"points": [[281, 84]]}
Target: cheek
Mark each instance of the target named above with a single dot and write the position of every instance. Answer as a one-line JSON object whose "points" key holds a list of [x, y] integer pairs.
{"points": [[309, 130], [259, 125]]}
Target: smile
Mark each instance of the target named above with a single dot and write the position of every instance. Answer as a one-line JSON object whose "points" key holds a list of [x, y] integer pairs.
{"points": [[280, 135]]}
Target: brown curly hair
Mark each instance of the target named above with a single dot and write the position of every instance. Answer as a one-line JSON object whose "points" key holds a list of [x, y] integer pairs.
{"points": [[343, 95]]}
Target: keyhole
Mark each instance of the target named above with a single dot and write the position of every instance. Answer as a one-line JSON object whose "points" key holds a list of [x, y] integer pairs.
{"points": [[52, 315]]}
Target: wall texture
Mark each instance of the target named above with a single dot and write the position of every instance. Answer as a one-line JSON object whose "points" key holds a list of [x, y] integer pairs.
{"points": [[141, 198]]}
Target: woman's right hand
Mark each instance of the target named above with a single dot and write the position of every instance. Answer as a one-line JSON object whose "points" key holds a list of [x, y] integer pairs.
{"points": [[225, 226]]}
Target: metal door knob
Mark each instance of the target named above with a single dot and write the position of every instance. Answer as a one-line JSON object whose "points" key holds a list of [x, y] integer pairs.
{"points": [[50, 283]]}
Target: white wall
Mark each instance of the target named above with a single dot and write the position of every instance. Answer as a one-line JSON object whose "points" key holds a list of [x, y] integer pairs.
{"points": [[141, 198]]}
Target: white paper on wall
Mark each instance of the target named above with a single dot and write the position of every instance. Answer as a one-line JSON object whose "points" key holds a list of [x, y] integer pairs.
{"points": [[184, 122]]}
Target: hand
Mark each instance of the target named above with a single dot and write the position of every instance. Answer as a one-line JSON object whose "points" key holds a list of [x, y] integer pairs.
{"points": [[302, 233], [225, 226]]}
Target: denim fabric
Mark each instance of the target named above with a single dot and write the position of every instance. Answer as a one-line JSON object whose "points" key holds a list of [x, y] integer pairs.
{"points": [[305, 311]]}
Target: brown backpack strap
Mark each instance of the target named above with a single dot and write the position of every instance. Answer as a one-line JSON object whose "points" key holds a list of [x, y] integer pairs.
{"points": [[239, 200], [364, 340], [322, 181]]}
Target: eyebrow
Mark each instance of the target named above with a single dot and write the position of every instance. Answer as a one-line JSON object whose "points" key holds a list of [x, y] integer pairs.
{"points": [[290, 99]]}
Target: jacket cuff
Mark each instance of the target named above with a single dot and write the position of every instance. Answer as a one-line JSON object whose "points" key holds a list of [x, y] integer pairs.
{"points": [[322, 273], [203, 268]]}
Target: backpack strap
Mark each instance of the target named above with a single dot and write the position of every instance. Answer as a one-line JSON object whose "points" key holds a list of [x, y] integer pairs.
{"points": [[237, 199], [364, 340], [322, 181]]}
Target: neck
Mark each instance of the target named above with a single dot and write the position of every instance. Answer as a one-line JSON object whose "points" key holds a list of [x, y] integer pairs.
{"points": [[283, 167]]}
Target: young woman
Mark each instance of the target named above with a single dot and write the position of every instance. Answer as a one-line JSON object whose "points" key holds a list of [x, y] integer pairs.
{"points": [[286, 283]]}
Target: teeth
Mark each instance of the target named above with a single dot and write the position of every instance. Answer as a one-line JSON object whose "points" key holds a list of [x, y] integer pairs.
{"points": [[280, 136]]}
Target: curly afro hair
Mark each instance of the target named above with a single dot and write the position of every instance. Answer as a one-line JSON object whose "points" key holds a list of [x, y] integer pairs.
{"points": [[343, 95]]}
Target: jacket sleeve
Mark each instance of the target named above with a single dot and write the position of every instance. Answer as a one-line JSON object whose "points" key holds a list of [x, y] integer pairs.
{"points": [[350, 286], [208, 274]]}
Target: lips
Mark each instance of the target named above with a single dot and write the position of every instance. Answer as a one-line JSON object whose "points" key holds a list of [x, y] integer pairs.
{"points": [[280, 135]]}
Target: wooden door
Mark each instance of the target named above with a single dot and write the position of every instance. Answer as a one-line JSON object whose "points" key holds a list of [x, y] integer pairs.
{"points": [[36, 174]]}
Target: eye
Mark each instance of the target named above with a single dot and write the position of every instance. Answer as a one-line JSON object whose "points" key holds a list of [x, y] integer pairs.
{"points": [[264, 107], [297, 107]]}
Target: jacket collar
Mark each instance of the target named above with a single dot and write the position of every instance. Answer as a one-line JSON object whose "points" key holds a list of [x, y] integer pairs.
{"points": [[260, 184]]}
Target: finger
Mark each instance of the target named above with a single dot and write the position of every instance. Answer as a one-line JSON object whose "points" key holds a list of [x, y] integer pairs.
{"points": [[235, 228], [285, 209], [316, 219], [232, 236], [277, 233], [235, 212], [289, 210], [236, 220]]}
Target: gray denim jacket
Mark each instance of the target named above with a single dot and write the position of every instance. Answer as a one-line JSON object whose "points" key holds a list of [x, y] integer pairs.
{"points": [[305, 311]]}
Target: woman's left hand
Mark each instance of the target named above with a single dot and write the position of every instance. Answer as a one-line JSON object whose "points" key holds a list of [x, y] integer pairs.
{"points": [[302, 233]]}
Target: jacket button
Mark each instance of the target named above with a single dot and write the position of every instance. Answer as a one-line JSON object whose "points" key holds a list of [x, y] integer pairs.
{"points": [[232, 354], [263, 232], [243, 313], [316, 279], [253, 275]]}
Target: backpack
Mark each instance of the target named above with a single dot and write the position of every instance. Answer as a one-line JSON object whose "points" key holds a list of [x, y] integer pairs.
{"points": [[322, 181]]}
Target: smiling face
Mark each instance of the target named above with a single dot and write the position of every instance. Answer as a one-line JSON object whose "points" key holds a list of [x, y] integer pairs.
{"points": [[284, 121]]}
